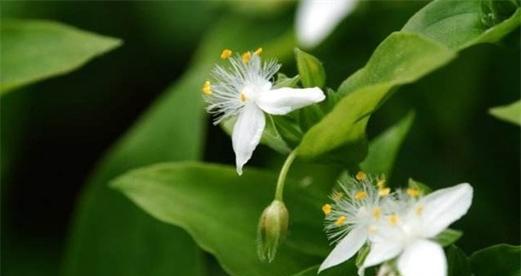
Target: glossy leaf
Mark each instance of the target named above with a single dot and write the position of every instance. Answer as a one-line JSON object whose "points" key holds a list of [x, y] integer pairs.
{"points": [[221, 210], [384, 148], [500, 259], [33, 50], [425, 44], [310, 69], [509, 113]]}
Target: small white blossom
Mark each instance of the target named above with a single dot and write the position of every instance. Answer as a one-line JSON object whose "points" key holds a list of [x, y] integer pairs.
{"points": [[244, 89], [408, 232], [358, 204], [316, 19]]}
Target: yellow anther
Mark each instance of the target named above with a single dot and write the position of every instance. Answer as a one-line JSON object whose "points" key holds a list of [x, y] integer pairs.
{"points": [[413, 192], [226, 53], [393, 219], [258, 51], [337, 196], [360, 195], [384, 191], [246, 56], [207, 88], [360, 176], [242, 97], [381, 183], [326, 209], [341, 220], [419, 210], [377, 213]]}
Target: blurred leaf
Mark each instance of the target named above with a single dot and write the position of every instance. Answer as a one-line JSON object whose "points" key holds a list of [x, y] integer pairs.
{"points": [[384, 148], [221, 210], [448, 237], [110, 235], [510, 113], [402, 58], [285, 81], [424, 188], [346, 268], [457, 261], [458, 24], [500, 259], [310, 69], [33, 50]]}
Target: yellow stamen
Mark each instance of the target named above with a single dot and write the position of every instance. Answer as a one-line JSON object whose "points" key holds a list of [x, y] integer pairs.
{"points": [[337, 196], [377, 213], [258, 51], [393, 219], [413, 192], [242, 97], [360, 176], [326, 209], [207, 88], [246, 56], [381, 183], [226, 53], [341, 220], [419, 210], [360, 195], [384, 192]]}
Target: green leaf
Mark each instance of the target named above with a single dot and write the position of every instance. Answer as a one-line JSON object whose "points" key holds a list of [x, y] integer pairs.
{"points": [[500, 259], [448, 237], [110, 236], [346, 268], [510, 113], [384, 148], [310, 69], [423, 188], [285, 81], [221, 210], [457, 261], [458, 24], [34, 50], [425, 44]]}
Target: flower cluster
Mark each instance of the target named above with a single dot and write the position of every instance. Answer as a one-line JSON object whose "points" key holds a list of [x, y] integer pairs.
{"points": [[243, 89], [400, 225]]}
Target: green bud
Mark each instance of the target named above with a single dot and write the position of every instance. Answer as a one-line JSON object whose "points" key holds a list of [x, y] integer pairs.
{"points": [[310, 69], [273, 225]]}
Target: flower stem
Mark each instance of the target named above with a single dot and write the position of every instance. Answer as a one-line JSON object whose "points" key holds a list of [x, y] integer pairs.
{"points": [[279, 192]]}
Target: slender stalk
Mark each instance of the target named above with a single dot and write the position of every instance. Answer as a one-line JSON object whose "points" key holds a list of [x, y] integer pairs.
{"points": [[279, 192]]}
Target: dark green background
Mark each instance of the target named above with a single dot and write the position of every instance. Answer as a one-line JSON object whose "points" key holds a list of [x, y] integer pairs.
{"points": [[53, 132]]}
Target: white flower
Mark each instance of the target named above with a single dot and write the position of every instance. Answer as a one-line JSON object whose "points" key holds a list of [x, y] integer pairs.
{"points": [[243, 89], [359, 204], [407, 233], [317, 18]]}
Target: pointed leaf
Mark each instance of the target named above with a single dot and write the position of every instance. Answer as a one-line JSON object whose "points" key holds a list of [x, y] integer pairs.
{"points": [[509, 113], [500, 259]]}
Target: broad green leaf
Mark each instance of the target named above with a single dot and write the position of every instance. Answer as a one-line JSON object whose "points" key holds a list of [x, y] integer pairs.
{"points": [[33, 50], [457, 261], [448, 237], [384, 148], [510, 113], [110, 236], [400, 58], [221, 210], [500, 259], [310, 69], [346, 268], [459, 24], [425, 44]]}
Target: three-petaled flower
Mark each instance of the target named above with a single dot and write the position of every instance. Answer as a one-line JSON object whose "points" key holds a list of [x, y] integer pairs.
{"points": [[244, 90]]}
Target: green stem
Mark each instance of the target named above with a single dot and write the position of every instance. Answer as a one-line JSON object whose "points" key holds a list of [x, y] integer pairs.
{"points": [[279, 192]]}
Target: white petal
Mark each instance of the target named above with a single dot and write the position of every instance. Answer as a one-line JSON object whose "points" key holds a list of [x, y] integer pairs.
{"points": [[246, 134], [381, 252], [346, 248], [317, 18], [443, 207], [423, 257], [284, 100]]}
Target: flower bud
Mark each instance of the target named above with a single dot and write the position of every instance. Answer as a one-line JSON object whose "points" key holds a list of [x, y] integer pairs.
{"points": [[273, 225]]}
